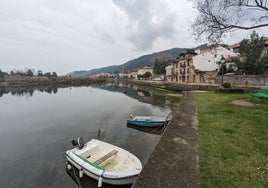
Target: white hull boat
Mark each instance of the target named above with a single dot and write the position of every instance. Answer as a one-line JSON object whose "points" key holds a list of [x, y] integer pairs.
{"points": [[104, 162]]}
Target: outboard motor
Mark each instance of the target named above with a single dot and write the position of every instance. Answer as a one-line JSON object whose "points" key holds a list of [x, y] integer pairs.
{"points": [[79, 142]]}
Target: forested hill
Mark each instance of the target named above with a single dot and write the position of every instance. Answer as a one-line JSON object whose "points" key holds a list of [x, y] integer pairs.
{"points": [[135, 64]]}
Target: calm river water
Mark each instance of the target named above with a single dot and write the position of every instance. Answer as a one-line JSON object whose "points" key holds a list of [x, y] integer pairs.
{"points": [[36, 128]]}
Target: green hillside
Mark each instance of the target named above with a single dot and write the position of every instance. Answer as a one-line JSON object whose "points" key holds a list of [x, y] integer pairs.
{"points": [[135, 64]]}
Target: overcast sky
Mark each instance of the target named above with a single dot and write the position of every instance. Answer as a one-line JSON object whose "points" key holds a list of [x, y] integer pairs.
{"points": [[70, 35]]}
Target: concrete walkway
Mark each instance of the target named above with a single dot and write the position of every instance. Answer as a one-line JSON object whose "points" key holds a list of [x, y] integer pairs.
{"points": [[174, 162]]}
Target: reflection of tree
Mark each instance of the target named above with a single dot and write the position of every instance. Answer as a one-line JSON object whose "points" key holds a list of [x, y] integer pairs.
{"points": [[172, 102], [159, 100], [145, 93], [2, 91], [27, 91], [51, 89], [21, 93]]}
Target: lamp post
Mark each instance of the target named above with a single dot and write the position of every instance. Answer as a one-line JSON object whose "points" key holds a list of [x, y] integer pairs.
{"points": [[222, 62]]}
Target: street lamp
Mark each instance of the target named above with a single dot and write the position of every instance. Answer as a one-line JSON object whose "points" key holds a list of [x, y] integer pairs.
{"points": [[222, 62]]}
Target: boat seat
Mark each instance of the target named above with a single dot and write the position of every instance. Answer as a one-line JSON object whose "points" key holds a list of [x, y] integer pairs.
{"points": [[105, 157]]}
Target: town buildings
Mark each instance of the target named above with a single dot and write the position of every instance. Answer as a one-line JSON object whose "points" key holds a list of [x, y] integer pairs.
{"points": [[143, 70], [183, 70], [199, 66]]}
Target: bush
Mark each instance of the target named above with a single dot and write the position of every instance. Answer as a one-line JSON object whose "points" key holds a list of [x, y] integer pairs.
{"points": [[229, 90], [226, 85]]}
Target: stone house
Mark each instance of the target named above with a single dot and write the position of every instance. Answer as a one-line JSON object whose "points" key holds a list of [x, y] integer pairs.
{"points": [[182, 70], [198, 67], [209, 59], [208, 62], [143, 70]]}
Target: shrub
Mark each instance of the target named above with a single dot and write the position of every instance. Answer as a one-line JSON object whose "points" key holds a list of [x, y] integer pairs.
{"points": [[229, 90], [226, 85]]}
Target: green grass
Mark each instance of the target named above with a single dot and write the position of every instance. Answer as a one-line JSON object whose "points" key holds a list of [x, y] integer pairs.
{"points": [[233, 141]]}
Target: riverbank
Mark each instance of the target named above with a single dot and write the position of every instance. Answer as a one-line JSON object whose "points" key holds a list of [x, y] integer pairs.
{"points": [[179, 87], [174, 162], [232, 140], [26, 81]]}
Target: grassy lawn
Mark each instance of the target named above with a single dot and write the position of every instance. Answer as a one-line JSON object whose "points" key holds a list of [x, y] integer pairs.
{"points": [[233, 145]]}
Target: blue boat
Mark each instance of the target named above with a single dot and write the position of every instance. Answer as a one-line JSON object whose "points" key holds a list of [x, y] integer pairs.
{"points": [[148, 121]]}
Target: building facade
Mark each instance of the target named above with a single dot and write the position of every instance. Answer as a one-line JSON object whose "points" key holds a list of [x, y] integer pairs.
{"points": [[209, 59], [169, 70], [198, 67], [183, 71], [143, 70]]}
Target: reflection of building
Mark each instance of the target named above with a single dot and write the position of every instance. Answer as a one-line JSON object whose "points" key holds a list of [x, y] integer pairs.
{"points": [[143, 70]]}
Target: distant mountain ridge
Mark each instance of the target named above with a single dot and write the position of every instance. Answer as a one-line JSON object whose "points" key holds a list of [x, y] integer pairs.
{"points": [[135, 64]]}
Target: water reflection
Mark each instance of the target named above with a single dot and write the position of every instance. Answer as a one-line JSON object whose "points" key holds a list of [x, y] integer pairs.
{"points": [[36, 129], [27, 91], [88, 182], [146, 95]]}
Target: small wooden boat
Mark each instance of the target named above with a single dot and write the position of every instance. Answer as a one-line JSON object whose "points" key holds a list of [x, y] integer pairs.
{"points": [[150, 130], [148, 121], [104, 162]]}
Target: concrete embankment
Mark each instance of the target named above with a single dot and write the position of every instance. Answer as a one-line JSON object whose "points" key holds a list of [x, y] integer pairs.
{"points": [[173, 86], [174, 162]]}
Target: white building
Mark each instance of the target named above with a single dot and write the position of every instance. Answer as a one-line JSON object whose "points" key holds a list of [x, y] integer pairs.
{"points": [[169, 72], [143, 70], [208, 60]]}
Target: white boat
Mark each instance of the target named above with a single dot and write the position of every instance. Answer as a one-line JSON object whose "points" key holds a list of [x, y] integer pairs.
{"points": [[104, 162]]}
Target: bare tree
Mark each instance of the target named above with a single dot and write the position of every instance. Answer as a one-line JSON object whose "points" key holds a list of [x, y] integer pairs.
{"points": [[219, 17]]}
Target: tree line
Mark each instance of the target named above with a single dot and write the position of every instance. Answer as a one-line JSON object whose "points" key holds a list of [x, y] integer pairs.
{"points": [[252, 59], [28, 73]]}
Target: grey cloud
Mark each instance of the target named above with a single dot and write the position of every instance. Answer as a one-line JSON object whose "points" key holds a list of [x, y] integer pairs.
{"points": [[146, 23]]}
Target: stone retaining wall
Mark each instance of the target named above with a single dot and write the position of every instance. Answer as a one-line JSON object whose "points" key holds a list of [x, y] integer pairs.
{"points": [[244, 80]]}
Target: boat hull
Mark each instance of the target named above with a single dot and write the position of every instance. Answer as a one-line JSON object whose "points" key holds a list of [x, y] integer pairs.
{"points": [[96, 171], [147, 121], [111, 181]]}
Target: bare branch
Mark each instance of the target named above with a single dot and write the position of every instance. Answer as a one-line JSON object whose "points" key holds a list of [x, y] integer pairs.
{"points": [[217, 17]]}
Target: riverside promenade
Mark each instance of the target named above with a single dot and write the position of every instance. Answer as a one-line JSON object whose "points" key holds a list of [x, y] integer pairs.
{"points": [[174, 163]]}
